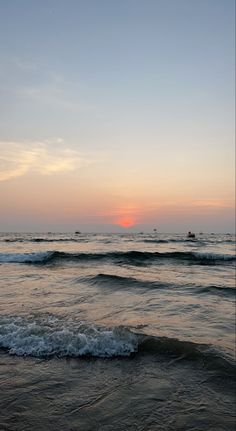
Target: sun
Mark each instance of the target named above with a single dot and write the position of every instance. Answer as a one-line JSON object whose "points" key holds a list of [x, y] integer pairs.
{"points": [[126, 222]]}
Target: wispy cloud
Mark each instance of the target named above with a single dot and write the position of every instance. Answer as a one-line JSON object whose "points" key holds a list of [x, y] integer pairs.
{"points": [[23, 64], [45, 158], [30, 82], [53, 95], [213, 203]]}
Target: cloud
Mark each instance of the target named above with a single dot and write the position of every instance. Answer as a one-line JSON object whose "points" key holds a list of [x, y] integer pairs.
{"points": [[23, 64], [45, 158], [54, 91], [30, 82], [214, 203]]}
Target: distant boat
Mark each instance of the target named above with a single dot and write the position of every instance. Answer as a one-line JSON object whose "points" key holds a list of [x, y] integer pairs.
{"points": [[77, 232], [191, 235]]}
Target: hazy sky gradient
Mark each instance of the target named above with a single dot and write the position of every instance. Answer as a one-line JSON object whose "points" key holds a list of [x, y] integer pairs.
{"points": [[117, 113]]}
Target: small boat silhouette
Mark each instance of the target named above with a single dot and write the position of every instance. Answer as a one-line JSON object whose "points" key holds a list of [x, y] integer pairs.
{"points": [[191, 235]]}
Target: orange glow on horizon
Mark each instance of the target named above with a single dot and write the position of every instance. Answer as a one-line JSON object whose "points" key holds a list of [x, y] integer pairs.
{"points": [[126, 222]]}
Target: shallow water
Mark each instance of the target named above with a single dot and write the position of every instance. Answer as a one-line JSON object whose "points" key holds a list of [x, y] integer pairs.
{"points": [[116, 332]]}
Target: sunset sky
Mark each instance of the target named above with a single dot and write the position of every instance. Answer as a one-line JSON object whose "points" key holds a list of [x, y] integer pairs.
{"points": [[117, 115]]}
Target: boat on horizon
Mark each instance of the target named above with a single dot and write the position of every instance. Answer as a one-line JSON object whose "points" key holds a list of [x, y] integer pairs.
{"points": [[191, 235]]}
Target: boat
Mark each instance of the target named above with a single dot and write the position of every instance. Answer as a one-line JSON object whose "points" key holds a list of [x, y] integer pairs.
{"points": [[191, 235]]}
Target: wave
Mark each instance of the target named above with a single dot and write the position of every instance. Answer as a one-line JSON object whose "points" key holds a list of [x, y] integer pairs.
{"points": [[111, 281], [204, 353], [130, 257], [157, 241], [39, 257], [114, 279], [218, 290], [172, 240], [48, 336], [42, 240]]}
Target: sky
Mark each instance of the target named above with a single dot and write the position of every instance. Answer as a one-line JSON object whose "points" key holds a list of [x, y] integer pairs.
{"points": [[117, 115]]}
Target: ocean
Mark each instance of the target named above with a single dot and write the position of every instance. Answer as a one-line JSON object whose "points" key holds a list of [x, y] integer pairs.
{"points": [[115, 332]]}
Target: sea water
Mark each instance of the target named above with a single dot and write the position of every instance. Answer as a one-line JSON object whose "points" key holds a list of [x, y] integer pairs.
{"points": [[117, 332]]}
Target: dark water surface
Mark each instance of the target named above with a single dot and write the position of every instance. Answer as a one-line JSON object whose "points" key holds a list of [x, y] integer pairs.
{"points": [[117, 332]]}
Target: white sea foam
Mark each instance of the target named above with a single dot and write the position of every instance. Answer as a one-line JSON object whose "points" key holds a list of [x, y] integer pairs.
{"points": [[25, 257], [48, 338], [214, 256]]}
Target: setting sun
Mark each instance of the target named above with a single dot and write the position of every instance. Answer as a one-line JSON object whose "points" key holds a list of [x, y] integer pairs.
{"points": [[117, 215], [126, 222]]}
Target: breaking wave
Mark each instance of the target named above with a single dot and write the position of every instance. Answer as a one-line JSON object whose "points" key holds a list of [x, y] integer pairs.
{"points": [[50, 337], [131, 257]]}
